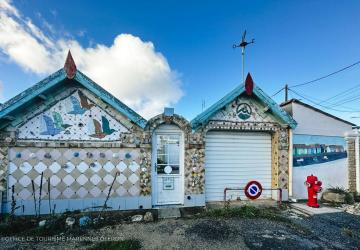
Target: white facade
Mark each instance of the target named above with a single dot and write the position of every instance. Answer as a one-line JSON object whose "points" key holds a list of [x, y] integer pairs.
{"points": [[316, 127], [311, 122]]}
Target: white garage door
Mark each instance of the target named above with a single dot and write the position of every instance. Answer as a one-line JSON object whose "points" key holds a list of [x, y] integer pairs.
{"points": [[234, 158]]}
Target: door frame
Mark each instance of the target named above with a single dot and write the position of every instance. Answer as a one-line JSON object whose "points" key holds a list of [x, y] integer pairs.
{"points": [[166, 129]]}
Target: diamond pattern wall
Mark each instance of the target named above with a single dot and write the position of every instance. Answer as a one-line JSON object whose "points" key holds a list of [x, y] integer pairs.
{"points": [[74, 173]]}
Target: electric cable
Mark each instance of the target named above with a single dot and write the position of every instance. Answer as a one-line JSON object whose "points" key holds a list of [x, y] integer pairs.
{"points": [[323, 106], [328, 75]]}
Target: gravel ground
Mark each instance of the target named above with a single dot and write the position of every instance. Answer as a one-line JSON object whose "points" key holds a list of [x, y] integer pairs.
{"points": [[335, 231], [329, 231]]}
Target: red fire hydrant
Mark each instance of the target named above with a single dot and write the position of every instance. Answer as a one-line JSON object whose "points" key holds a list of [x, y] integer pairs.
{"points": [[314, 187]]}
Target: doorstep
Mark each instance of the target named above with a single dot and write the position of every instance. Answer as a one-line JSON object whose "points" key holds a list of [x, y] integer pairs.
{"points": [[169, 213], [302, 207]]}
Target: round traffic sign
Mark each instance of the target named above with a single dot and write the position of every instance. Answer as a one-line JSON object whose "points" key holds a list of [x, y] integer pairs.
{"points": [[253, 190]]}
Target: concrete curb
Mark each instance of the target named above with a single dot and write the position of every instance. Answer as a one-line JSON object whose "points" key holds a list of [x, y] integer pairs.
{"points": [[314, 211]]}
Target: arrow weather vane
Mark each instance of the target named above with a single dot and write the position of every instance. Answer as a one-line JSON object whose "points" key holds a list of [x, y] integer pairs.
{"points": [[242, 45]]}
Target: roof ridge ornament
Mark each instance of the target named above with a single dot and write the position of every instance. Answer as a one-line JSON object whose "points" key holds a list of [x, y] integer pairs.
{"points": [[70, 66], [249, 84]]}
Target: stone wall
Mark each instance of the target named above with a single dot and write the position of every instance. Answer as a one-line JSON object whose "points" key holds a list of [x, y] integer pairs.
{"points": [[274, 159], [351, 163], [3, 167], [6, 139]]}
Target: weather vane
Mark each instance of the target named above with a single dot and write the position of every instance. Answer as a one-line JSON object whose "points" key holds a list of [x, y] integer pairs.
{"points": [[243, 44]]}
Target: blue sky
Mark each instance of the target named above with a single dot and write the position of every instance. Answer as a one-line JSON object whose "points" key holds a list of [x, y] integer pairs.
{"points": [[296, 41]]}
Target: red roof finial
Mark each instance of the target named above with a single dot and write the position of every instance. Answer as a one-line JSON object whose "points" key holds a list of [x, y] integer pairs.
{"points": [[249, 84], [69, 66]]}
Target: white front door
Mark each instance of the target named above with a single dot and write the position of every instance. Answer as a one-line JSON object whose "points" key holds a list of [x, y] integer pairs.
{"points": [[168, 166]]}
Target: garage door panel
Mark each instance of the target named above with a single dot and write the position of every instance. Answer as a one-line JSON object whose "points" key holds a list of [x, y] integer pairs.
{"points": [[245, 136], [237, 153], [215, 144], [234, 194], [234, 158], [222, 164], [236, 172], [236, 181], [233, 183]]}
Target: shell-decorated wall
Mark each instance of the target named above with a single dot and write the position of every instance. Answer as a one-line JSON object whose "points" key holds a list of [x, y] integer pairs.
{"points": [[75, 117]]}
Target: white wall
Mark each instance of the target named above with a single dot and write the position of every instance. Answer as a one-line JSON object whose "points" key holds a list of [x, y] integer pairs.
{"points": [[332, 174], [311, 122]]}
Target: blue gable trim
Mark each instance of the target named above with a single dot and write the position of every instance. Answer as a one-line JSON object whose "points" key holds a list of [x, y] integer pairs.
{"points": [[32, 92], [60, 75], [205, 116]]}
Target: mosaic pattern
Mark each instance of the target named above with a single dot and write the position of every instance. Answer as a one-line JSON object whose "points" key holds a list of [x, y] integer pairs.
{"points": [[74, 118], [242, 109], [75, 173], [274, 159], [283, 158]]}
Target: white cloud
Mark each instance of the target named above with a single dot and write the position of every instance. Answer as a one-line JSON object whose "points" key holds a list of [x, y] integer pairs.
{"points": [[5, 5], [130, 68]]}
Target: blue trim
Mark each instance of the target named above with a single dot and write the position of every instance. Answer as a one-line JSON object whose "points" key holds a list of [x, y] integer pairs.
{"points": [[205, 116], [275, 108], [60, 75], [32, 92]]}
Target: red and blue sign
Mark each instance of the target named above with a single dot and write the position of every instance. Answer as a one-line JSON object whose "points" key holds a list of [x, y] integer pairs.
{"points": [[253, 190]]}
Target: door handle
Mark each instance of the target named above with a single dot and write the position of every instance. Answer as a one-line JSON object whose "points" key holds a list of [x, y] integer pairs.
{"points": [[155, 167]]}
